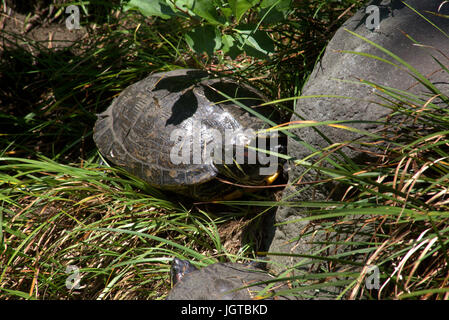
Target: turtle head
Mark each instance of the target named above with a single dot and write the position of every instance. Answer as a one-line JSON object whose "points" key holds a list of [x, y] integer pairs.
{"points": [[179, 268], [253, 158]]}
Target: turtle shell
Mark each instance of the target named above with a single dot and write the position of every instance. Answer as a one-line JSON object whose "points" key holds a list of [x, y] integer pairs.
{"points": [[219, 281], [146, 122]]}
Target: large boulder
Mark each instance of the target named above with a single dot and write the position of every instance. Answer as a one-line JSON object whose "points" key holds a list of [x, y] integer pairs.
{"points": [[396, 20]]}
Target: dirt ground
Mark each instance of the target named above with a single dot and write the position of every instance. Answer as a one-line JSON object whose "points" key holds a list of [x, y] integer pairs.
{"points": [[36, 21]]}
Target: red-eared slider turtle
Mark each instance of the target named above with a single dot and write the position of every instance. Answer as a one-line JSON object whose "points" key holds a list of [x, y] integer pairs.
{"points": [[174, 130], [220, 281]]}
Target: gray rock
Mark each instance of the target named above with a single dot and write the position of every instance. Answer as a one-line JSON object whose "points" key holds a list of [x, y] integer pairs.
{"points": [[346, 66], [221, 281]]}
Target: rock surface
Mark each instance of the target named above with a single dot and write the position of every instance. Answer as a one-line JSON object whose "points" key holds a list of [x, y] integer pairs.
{"points": [[334, 64], [223, 281]]}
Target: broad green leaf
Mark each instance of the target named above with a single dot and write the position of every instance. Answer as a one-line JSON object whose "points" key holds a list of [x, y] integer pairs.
{"points": [[227, 41], [206, 9], [239, 7], [204, 39], [256, 43], [184, 4], [229, 46], [276, 3], [273, 11], [150, 8], [227, 12]]}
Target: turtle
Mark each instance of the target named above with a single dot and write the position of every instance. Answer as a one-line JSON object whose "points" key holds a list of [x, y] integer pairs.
{"points": [[221, 281], [180, 131]]}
